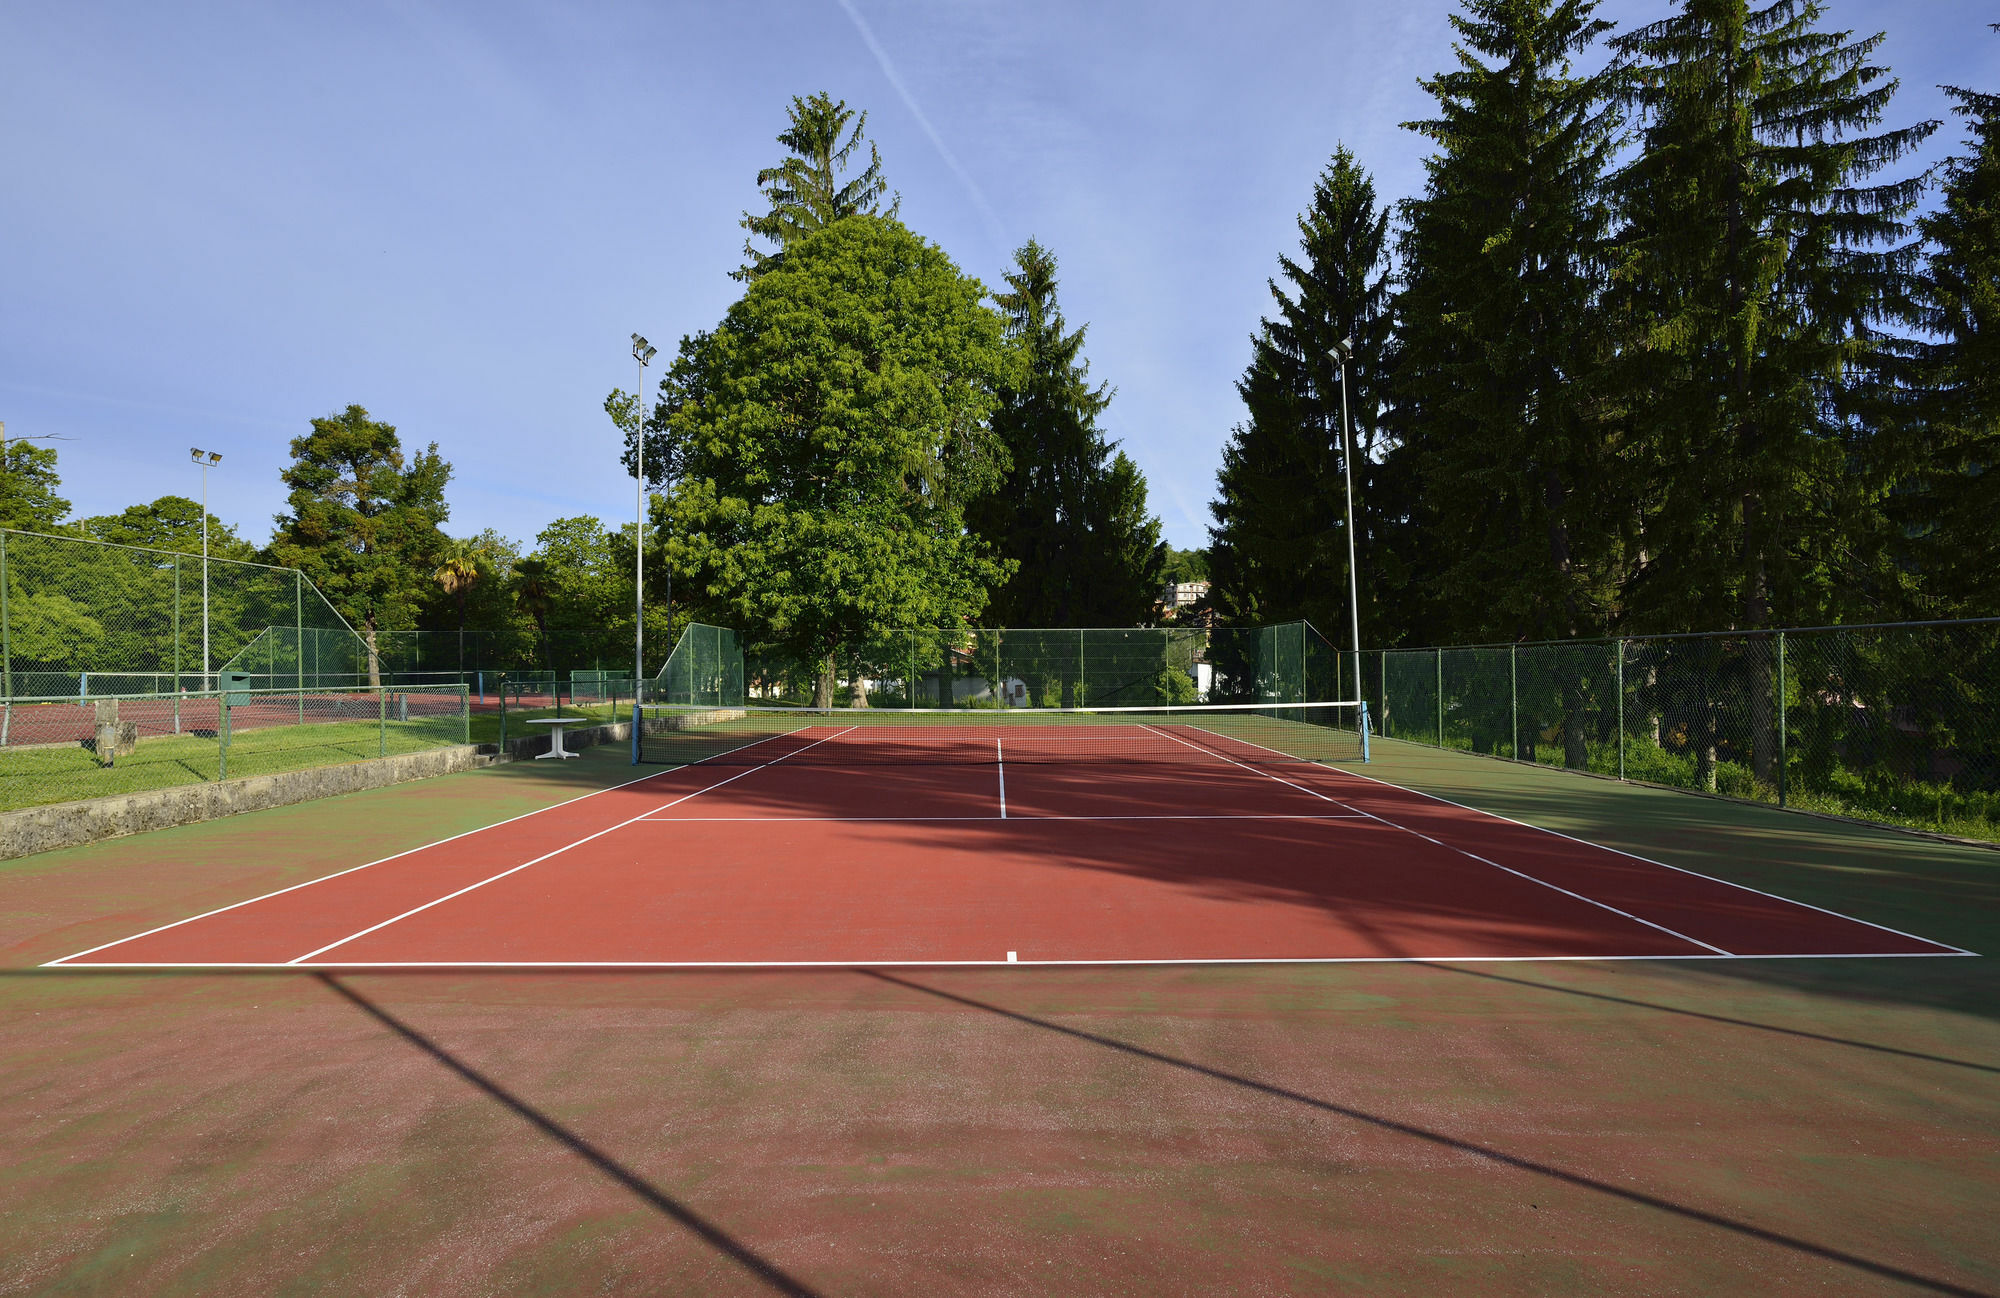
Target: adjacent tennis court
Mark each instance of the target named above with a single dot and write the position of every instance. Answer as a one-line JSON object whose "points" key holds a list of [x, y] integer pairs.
{"points": [[1117, 836]]}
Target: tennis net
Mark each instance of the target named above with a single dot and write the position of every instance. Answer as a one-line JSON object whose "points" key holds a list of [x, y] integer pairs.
{"points": [[1250, 733]]}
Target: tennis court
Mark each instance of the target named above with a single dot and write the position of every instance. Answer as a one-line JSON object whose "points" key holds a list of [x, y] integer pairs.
{"points": [[1155, 836]]}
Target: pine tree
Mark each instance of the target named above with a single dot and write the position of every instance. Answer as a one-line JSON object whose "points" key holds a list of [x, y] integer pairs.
{"points": [[1279, 545], [1501, 399], [805, 190], [1950, 507], [1072, 510], [1759, 273]]}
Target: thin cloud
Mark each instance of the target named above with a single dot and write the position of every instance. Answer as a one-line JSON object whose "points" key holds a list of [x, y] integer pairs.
{"points": [[993, 223]]}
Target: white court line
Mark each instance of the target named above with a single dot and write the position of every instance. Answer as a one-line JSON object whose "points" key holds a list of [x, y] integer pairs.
{"points": [[554, 806], [1001, 964], [1519, 874], [1000, 764], [1948, 948], [1011, 815], [416, 910]]}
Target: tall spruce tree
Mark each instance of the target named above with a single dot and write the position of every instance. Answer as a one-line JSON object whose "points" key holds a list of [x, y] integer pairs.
{"points": [[805, 191], [1509, 431], [1758, 276], [1279, 545], [1072, 510], [1948, 510]]}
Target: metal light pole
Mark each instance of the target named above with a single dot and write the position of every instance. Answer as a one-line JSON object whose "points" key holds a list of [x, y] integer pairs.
{"points": [[1342, 352], [207, 460], [642, 352]]}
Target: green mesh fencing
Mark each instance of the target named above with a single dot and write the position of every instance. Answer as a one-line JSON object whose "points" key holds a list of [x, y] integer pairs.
{"points": [[1895, 723], [704, 670], [83, 619]]}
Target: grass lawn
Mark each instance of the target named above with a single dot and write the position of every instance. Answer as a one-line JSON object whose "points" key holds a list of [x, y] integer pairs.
{"points": [[31, 777]]}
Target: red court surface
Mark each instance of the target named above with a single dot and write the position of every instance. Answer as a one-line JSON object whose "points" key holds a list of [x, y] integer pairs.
{"points": [[856, 847]]}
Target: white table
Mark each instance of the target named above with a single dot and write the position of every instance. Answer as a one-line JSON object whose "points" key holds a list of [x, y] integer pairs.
{"points": [[556, 724]]}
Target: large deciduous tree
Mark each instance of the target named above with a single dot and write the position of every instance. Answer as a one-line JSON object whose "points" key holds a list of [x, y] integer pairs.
{"points": [[28, 486], [1279, 544], [169, 523], [363, 522], [1072, 510], [832, 434]]}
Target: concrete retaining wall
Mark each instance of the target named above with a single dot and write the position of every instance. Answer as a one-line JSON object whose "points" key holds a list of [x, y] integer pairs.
{"points": [[69, 824]]}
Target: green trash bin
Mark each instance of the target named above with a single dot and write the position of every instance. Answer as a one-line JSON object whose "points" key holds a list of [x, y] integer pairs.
{"points": [[235, 687]]}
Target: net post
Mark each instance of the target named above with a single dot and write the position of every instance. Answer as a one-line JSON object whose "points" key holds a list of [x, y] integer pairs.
{"points": [[638, 720], [1621, 709], [1514, 700], [1781, 719], [1363, 705], [1440, 696], [6, 637], [177, 645]]}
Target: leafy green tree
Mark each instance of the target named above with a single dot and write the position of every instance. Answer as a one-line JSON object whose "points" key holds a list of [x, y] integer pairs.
{"points": [[169, 523], [839, 434], [1508, 429], [1184, 565], [805, 191], [363, 522], [1759, 269], [28, 486], [1949, 505], [1071, 513], [1278, 545]]}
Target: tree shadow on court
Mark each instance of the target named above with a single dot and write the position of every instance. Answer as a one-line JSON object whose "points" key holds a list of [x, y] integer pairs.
{"points": [[754, 1263], [1939, 890], [1936, 891], [1853, 1264]]}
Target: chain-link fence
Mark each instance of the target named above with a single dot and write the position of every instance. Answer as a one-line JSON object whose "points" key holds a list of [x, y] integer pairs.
{"points": [[705, 669], [1893, 723], [82, 618], [66, 749]]}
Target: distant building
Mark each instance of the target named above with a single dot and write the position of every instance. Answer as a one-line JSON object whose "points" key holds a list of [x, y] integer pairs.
{"points": [[1180, 596]]}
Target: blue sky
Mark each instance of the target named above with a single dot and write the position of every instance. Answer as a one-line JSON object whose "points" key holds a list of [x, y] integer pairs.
{"points": [[221, 220]]}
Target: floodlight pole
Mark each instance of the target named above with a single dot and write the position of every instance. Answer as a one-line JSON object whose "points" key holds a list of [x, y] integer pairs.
{"points": [[1342, 351], [207, 460], [642, 352]]}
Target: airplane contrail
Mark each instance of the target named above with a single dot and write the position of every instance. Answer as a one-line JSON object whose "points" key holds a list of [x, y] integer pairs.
{"points": [[994, 226]]}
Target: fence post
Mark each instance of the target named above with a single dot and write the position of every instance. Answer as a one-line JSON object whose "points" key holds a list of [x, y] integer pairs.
{"points": [[177, 646], [1440, 695], [1621, 709], [503, 715], [6, 637], [1781, 718], [1514, 700], [299, 640], [222, 735], [381, 722], [464, 714]]}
